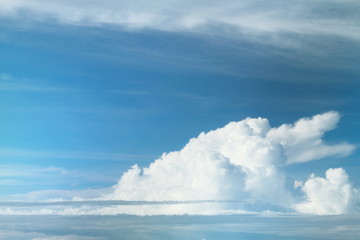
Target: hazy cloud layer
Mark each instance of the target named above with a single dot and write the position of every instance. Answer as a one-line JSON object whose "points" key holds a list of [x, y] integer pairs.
{"points": [[252, 18], [180, 227], [67, 237]]}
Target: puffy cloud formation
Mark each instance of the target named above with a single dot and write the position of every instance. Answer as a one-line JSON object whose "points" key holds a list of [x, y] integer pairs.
{"points": [[333, 194], [237, 169], [242, 161], [246, 17]]}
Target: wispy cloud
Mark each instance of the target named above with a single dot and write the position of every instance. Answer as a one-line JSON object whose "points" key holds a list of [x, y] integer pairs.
{"points": [[319, 17], [26, 170], [8, 152], [57, 197], [169, 94], [11, 83]]}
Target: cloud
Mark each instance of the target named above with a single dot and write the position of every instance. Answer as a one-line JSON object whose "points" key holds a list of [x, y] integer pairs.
{"points": [[10, 83], [318, 17], [333, 194], [302, 141], [180, 227], [242, 161], [67, 237], [27, 171], [112, 208], [239, 168], [25, 153], [57, 195]]}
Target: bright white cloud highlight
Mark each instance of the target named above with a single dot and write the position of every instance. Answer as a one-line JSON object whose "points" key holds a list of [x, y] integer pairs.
{"points": [[242, 161], [333, 194]]}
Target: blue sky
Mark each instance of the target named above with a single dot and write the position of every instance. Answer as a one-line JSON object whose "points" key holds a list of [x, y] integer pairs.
{"points": [[143, 92], [88, 89]]}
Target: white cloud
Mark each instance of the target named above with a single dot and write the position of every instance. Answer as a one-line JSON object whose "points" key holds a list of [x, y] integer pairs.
{"points": [[242, 161], [235, 169], [303, 142], [333, 194], [235, 17]]}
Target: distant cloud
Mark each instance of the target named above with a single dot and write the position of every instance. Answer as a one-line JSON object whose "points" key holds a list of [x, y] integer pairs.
{"points": [[57, 195], [67, 237], [111, 208], [251, 18]]}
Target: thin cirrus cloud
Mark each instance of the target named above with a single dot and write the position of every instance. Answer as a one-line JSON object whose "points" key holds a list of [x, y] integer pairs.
{"points": [[25, 153], [11, 83], [252, 18]]}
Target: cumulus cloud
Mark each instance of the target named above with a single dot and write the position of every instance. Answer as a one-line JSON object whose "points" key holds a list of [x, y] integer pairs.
{"points": [[333, 194], [242, 161], [319, 17], [239, 168]]}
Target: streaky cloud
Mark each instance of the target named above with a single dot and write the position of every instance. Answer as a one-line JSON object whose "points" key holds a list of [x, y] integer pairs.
{"points": [[248, 18]]}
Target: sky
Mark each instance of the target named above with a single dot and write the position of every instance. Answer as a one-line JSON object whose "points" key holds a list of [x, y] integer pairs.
{"points": [[204, 108]]}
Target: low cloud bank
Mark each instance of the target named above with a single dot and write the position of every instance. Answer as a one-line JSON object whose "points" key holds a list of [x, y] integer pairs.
{"points": [[244, 161]]}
